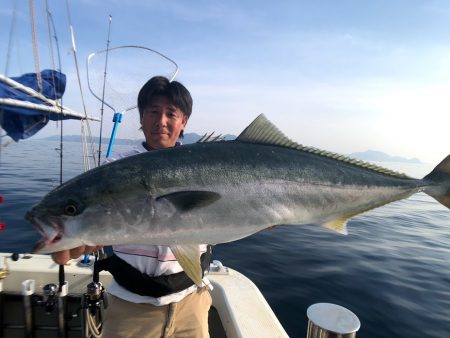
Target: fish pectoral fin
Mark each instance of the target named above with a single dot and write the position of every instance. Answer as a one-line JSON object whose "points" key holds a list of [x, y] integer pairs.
{"points": [[189, 258], [188, 200], [338, 225]]}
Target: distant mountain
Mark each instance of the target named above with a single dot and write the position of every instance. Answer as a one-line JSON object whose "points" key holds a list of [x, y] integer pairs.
{"points": [[77, 138], [374, 155], [369, 155], [188, 138]]}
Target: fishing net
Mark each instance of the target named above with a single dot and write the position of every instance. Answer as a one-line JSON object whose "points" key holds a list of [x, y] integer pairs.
{"points": [[115, 77]]}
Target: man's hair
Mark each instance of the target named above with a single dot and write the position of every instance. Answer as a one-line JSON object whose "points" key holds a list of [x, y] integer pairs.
{"points": [[161, 86]]}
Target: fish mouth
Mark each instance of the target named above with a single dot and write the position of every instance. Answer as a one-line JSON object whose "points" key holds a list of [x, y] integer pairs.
{"points": [[51, 230]]}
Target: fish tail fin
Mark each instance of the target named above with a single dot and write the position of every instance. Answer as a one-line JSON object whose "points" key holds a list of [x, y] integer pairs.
{"points": [[440, 177]]}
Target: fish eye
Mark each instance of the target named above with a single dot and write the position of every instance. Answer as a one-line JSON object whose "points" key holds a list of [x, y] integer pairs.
{"points": [[70, 210]]}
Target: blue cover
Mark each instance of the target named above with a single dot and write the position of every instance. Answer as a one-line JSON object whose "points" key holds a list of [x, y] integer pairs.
{"points": [[21, 123]]}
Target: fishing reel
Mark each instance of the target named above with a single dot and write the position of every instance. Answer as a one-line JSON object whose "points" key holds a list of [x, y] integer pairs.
{"points": [[49, 298], [95, 297], [50, 292], [93, 305]]}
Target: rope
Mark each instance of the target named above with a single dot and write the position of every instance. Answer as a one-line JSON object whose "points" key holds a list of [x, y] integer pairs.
{"points": [[86, 164], [74, 52], [88, 128], [35, 45], [8, 58], [49, 26], [11, 35], [94, 329], [91, 143]]}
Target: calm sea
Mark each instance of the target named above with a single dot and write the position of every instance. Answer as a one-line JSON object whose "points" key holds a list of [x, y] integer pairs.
{"points": [[392, 270]]}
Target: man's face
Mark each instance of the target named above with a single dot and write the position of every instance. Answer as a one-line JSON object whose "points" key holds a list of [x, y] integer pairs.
{"points": [[162, 123]]}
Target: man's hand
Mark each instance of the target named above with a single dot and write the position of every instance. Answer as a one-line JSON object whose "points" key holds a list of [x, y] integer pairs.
{"points": [[62, 257]]}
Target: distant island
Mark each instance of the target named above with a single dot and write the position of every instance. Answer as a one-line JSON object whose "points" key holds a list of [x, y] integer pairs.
{"points": [[368, 155], [374, 155], [188, 138]]}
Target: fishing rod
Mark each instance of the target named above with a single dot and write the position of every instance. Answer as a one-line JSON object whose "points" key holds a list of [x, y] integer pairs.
{"points": [[56, 296], [103, 90], [86, 257]]}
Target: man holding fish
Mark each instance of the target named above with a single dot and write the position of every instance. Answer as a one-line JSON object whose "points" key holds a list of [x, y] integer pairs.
{"points": [[176, 198], [151, 296]]}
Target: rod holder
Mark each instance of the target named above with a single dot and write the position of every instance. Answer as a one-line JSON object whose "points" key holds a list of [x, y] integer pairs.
{"points": [[28, 288], [331, 321]]}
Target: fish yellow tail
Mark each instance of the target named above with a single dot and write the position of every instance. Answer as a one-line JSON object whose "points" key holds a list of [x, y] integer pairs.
{"points": [[440, 176]]}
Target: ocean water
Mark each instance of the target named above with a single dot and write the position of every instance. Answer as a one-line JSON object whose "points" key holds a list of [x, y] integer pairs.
{"points": [[392, 269]]}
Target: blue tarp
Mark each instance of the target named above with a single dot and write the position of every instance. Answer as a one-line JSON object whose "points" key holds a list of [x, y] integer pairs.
{"points": [[21, 123]]}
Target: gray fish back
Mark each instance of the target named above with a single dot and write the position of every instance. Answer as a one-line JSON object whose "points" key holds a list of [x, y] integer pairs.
{"points": [[262, 131]]}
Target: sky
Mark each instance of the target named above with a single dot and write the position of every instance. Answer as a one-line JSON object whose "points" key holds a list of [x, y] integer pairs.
{"points": [[344, 76]]}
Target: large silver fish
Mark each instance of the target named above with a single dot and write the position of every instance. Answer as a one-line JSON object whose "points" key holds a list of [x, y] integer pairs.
{"points": [[219, 192]]}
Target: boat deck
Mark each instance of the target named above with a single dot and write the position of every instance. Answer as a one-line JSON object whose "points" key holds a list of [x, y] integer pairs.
{"points": [[46, 324], [239, 309]]}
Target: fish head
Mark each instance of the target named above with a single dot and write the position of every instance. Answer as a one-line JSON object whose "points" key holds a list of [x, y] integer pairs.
{"points": [[55, 216], [74, 213], [117, 203], [102, 207]]}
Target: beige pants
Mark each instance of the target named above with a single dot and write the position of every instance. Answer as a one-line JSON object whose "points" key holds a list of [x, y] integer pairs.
{"points": [[188, 318]]}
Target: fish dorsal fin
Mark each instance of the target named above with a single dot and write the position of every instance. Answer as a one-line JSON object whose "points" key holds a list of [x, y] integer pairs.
{"points": [[262, 131], [211, 138]]}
